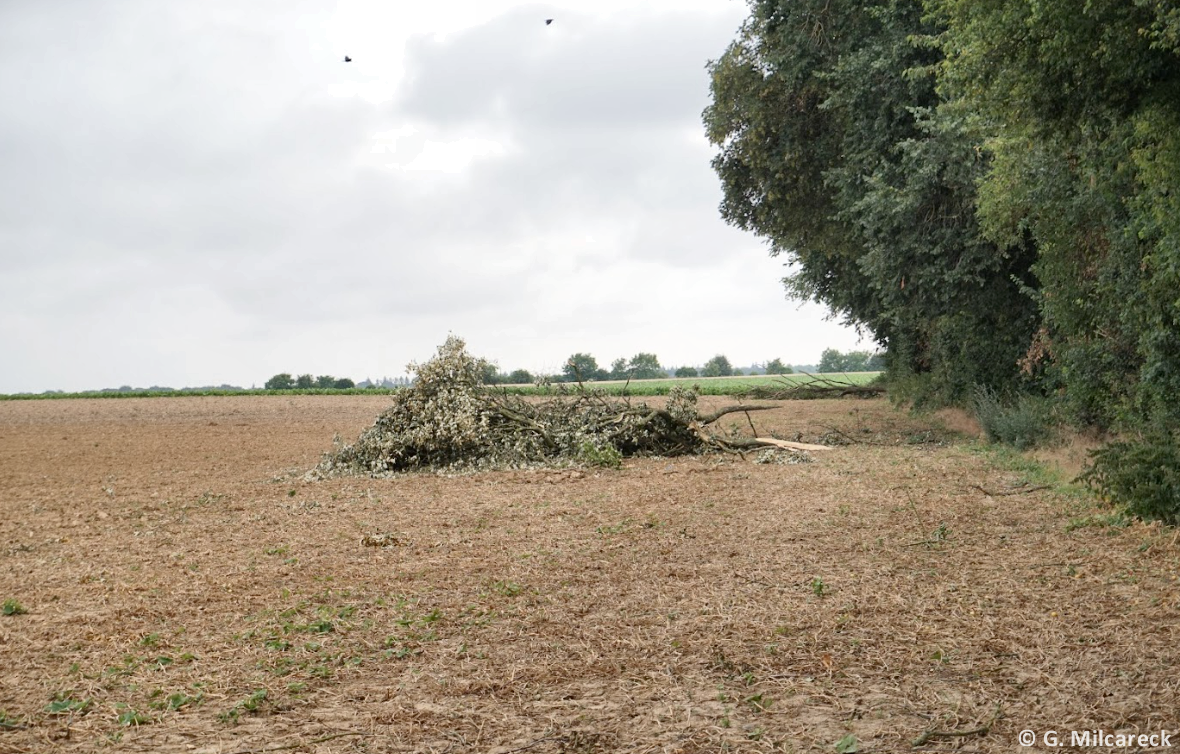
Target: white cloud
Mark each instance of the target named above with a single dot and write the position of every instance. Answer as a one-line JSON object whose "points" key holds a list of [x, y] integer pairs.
{"points": [[204, 192]]}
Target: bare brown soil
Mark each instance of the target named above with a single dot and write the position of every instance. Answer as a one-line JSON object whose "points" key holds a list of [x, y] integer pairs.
{"points": [[186, 590]]}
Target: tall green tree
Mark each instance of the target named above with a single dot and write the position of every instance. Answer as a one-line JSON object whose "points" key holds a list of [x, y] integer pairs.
{"points": [[834, 148], [856, 361], [776, 366], [520, 377], [283, 381], [580, 367], [831, 360], [1079, 107], [718, 366], [646, 366], [489, 372], [619, 369]]}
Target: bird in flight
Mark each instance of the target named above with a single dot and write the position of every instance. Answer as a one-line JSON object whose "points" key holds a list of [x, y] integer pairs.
{"points": [[347, 59], [548, 21]]}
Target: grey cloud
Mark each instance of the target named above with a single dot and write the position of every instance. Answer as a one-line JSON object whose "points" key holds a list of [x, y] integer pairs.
{"points": [[139, 127], [583, 75], [168, 154], [599, 116], [188, 172]]}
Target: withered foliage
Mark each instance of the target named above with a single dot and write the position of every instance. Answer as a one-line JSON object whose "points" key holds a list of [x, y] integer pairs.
{"points": [[449, 420]]}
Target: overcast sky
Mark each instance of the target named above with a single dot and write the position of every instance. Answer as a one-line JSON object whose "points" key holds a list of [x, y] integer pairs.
{"points": [[200, 192]]}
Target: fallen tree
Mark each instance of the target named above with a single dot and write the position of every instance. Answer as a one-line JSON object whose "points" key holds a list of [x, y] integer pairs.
{"points": [[818, 386], [448, 419]]}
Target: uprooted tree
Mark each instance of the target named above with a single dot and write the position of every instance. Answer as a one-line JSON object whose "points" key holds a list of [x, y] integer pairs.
{"points": [[450, 419]]}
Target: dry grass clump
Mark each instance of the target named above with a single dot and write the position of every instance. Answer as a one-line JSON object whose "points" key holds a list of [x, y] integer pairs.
{"points": [[449, 420]]}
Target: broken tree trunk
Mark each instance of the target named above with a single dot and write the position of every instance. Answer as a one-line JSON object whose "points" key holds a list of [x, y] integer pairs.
{"points": [[817, 387]]}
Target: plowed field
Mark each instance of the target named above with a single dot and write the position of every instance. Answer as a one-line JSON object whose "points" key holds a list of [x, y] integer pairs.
{"points": [[175, 584]]}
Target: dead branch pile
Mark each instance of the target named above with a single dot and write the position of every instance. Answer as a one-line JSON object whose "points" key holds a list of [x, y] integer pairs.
{"points": [[449, 420], [818, 386]]}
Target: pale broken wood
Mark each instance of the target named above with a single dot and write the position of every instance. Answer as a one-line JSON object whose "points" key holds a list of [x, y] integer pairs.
{"points": [[793, 446]]}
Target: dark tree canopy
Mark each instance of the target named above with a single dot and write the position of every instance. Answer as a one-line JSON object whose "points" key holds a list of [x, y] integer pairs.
{"points": [[776, 366], [1083, 124], [833, 148], [581, 367], [520, 377], [718, 366], [619, 369], [646, 366], [283, 381], [991, 189]]}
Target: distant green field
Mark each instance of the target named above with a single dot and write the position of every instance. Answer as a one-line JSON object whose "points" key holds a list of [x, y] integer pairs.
{"points": [[703, 385]]}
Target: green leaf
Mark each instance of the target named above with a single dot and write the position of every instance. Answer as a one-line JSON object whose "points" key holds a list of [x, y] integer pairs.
{"points": [[847, 745], [62, 706]]}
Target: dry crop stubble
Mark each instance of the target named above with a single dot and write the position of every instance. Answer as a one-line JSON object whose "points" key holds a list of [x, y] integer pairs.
{"points": [[185, 589]]}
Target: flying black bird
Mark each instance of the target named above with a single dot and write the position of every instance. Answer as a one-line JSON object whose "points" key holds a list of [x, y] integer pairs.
{"points": [[347, 59], [548, 21]]}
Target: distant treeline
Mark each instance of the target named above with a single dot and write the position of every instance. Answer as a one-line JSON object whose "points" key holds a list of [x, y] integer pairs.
{"points": [[583, 367], [579, 367]]}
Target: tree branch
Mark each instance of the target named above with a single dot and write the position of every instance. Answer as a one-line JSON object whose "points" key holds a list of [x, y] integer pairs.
{"points": [[710, 418]]}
